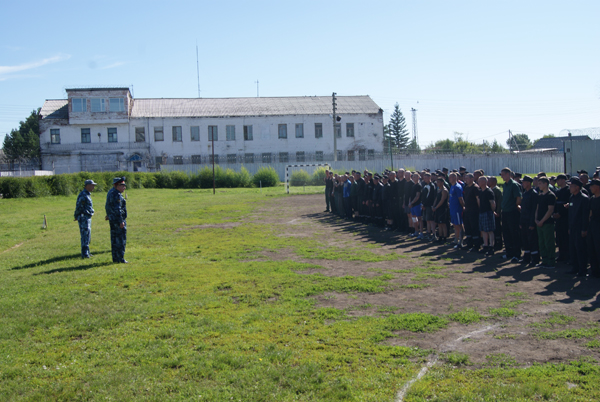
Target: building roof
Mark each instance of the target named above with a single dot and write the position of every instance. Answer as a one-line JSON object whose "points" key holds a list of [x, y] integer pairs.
{"points": [[558, 142], [55, 109], [233, 107], [224, 107]]}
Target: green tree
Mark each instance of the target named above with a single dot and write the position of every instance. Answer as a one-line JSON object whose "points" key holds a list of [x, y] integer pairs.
{"points": [[23, 144], [396, 130], [461, 146], [519, 142], [413, 147], [545, 136]]}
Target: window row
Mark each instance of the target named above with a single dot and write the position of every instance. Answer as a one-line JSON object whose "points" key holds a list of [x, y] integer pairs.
{"points": [[230, 132], [86, 136], [98, 105], [265, 157]]}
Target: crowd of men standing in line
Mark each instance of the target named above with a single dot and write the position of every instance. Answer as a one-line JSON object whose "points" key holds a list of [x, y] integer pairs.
{"points": [[530, 217]]}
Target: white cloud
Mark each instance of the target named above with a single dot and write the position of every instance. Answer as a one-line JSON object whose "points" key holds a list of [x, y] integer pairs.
{"points": [[34, 64], [113, 65]]}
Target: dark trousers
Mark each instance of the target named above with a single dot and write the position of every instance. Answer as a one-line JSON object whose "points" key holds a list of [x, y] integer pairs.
{"points": [[471, 221], [530, 244], [562, 238], [593, 240], [498, 233], [510, 231], [333, 204], [578, 250], [348, 207], [327, 199], [118, 240]]}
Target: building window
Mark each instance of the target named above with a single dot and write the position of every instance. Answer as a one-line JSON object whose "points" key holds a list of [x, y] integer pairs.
{"points": [[318, 130], [338, 130], [371, 154], [98, 105], [247, 133], [116, 104], [86, 136], [300, 156], [300, 130], [349, 129], [216, 158], [159, 134], [140, 134], [78, 105], [176, 133], [112, 134], [213, 133], [350, 155], [319, 156], [282, 130], [361, 154], [284, 157], [178, 160], [230, 133], [196, 159], [158, 160], [266, 157], [55, 136], [249, 158], [231, 158], [340, 155], [195, 133]]}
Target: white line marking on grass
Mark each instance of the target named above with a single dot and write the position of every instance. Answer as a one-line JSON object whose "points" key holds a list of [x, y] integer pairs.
{"points": [[444, 348]]}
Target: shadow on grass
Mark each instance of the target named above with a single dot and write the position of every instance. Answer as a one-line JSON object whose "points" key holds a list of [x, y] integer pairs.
{"points": [[78, 268], [557, 281], [53, 260]]}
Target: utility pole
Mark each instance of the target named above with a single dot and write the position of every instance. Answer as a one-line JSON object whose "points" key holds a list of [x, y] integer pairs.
{"points": [[198, 68], [414, 127], [334, 128], [256, 87]]}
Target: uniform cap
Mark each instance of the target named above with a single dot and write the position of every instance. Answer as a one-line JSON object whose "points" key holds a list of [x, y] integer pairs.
{"points": [[89, 182], [462, 168], [528, 178], [582, 171], [561, 176], [595, 182], [544, 179], [119, 180], [575, 180]]}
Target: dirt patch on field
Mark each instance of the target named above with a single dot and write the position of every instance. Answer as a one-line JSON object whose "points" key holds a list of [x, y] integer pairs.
{"points": [[12, 248], [226, 225], [519, 306]]}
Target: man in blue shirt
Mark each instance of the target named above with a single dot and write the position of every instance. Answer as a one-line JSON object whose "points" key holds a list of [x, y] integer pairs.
{"points": [[457, 204], [84, 210], [346, 194]]}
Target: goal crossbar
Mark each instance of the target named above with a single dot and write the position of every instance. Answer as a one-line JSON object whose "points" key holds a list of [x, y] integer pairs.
{"points": [[287, 176]]}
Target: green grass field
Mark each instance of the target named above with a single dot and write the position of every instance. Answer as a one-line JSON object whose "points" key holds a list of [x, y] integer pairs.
{"points": [[201, 314]]}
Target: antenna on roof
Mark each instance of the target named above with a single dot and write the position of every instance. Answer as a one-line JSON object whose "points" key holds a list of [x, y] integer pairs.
{"points": [[198, 67], [256, 82]]}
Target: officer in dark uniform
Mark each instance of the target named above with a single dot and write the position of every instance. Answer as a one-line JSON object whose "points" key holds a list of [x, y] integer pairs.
{"points": [[116, 215], [360, 194], [370, 186], [377, 200], [594, 228], [471, 213], [579, 212], [84, 210], [529, 236], [328, 189], [493, 183], [561, 218]]}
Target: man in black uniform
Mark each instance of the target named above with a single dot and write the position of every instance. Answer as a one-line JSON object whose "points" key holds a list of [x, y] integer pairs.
{"points": [[370, 186], [402, 224], [408, 185], [328, 187], [360, 194], [579, 212], [493, 183], [561, 218], [529, 237], [594, 230], [471, 213], [377, 217], [392, 201]]}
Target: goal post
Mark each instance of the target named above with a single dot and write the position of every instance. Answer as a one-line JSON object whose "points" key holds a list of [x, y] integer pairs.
{"points": [[287, 175]]}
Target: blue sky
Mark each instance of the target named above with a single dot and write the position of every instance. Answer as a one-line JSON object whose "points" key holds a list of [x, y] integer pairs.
{"points": [[476, 67]]}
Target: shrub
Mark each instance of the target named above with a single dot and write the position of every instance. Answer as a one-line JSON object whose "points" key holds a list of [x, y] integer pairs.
{"points": [[266, 176], [318, 177], [299, 178], [12, 187], [37, 187]]}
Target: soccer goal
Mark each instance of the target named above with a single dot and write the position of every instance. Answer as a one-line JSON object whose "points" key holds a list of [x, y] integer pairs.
{"points": [[302, 174]]}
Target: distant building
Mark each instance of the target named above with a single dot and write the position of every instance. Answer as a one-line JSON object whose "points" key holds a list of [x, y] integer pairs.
{"points": [[557, 144], [107, 129]]}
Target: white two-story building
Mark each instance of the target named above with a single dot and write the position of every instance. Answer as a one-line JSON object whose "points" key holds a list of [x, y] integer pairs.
{"points": [[107, 129]]}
